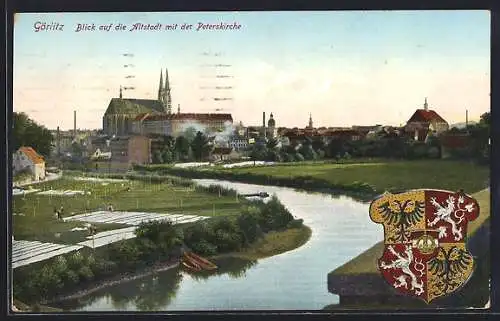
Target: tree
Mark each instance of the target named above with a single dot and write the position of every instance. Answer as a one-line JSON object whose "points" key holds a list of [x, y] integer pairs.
{"points": [[157, 157], [308, 152], [181, 147], [485, 119], [169, 142], [167, 156], [248, 223], [190, 134], [76, 150], [200, 146], [272, 143], [26, 132], [259, 152], [335, 147]]}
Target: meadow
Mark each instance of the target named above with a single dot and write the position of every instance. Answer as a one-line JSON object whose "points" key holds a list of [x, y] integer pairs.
{"points": [[369, 176], [34, 219]]}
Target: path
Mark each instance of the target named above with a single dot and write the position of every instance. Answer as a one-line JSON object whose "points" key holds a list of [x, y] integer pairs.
{"points": [[48, 177]]}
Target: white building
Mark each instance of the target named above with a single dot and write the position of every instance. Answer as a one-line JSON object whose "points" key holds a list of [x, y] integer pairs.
{"points": [[239, 144], [26, 158]]}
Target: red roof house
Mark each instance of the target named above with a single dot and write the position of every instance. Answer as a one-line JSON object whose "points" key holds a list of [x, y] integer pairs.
{"points": [[425, 121]]}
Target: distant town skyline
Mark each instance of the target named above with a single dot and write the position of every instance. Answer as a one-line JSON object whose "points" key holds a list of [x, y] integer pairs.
{"points": [[345, 68]]}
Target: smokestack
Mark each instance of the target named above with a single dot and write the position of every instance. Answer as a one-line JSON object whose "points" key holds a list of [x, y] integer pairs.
{"points": [[466, 118], [264, 122], [74, 123], [58, 141]]}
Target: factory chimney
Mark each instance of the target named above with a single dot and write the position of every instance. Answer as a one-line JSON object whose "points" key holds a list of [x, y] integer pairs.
{"points": [[74, 124], [466, 118], [58, 141], [264, 123]]}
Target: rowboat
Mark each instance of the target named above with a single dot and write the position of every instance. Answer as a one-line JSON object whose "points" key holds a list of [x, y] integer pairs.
{"points": [[191, 267], [198, 260]]}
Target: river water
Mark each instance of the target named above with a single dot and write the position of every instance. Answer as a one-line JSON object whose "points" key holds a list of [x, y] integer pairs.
{"points": [[295, 280]]}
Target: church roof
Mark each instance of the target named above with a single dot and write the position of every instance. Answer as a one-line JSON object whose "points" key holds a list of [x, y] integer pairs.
{"points": [[423, 115], [186, 116], [133, 106]]}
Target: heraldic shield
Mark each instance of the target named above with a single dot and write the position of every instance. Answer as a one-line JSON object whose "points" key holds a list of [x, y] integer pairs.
{"points": [[425, 234]]}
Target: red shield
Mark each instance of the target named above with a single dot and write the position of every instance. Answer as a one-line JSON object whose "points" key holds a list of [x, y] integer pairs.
{"points": [[425, 234]]}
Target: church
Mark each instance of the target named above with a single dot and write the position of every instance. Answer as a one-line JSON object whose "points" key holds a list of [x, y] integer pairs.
{"points": [[121, 112], [131, 116]]}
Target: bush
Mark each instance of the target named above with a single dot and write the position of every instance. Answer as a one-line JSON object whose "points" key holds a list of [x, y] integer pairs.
{"points": [[274, 216], [85, 273], [75, 260], [205, 248], [295, 223], [71, 278], [433, 152], [299, 157], [104, 267], [248, 224]]}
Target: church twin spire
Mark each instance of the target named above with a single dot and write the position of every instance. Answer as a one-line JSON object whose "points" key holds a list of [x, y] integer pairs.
{"points": [[164, 93]]}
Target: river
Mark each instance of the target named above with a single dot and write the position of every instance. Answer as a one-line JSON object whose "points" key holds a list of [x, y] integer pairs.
{"points": [[295, 280]]}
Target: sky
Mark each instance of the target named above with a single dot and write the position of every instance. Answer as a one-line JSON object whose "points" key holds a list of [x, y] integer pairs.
{"points": [[344, 68]]}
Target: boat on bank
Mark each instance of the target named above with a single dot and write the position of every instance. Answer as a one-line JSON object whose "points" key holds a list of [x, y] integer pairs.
{"points": [[190, 266], [198, 260]]}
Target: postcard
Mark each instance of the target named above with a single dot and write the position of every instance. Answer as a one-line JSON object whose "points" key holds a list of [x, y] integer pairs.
{"points": [[250, 161]]}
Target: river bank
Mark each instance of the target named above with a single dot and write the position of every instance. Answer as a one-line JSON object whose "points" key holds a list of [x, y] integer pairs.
{"points": [[244, 284], [118, 279], [361, 180], [271, 244]]}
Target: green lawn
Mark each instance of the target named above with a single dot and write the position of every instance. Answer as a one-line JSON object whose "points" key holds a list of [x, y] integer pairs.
{"points": [[439, 174], [39, 223]]}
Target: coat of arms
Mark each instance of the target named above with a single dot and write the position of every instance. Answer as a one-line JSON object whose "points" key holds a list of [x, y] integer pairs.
{"points": [[425, 234]]}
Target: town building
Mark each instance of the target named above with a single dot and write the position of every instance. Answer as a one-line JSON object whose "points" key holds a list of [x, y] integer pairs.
{"points": [[176, 124], [121, 112], [238, 143], [424, 122], [132, 116], [130, 150], [27, 159]]}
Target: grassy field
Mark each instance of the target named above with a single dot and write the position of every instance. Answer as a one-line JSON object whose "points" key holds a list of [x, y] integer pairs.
{"points": [[274, 243], [40, 223], [366, 262], [440, 174]]}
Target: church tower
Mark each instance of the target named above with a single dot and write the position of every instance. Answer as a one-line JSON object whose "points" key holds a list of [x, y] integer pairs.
{"points": [[310, 121], [164, 93], [160, 88], [167, 98]]}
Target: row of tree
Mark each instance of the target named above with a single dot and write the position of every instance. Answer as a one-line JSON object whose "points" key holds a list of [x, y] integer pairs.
{"points": [[26, 132], [183, 148], [388, 145]]}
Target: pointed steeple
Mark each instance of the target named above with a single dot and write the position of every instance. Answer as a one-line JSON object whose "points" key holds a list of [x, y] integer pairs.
{"points": [[426, 107], [160, 88], [121, 92], [310, 121], [167, 99], [167, 83]]}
